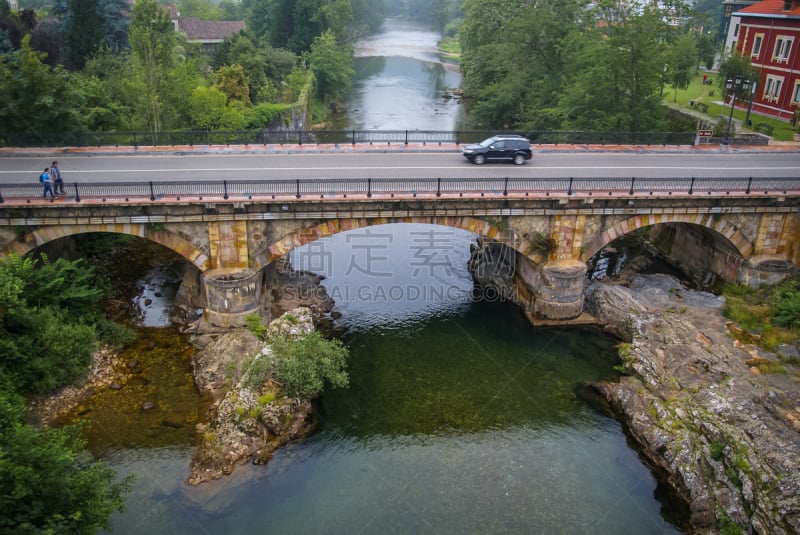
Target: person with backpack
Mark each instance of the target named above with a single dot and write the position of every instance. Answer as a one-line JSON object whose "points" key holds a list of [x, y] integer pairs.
{"points": [[55, 176], [44, 178]]}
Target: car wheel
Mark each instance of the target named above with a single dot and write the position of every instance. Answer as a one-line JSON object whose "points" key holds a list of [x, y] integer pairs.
{"points": [[519, 159], [479, 159]]}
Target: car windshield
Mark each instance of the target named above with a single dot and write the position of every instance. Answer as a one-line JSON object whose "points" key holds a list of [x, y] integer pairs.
{"points": [[487, 142]]}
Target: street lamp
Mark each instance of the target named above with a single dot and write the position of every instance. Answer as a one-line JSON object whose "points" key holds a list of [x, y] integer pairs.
{"points": [[753, 90], [734, 85]]}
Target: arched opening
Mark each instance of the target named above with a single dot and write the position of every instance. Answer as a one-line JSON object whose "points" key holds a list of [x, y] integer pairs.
{"points": [[154, 285], [694, 253]]}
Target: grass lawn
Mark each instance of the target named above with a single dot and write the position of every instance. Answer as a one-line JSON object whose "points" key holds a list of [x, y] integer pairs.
{"points": [[698, 92], [450, 48]]}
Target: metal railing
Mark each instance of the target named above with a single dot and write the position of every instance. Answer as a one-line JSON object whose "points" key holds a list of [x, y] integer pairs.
{"points": [[310, 137], [338, 189]]}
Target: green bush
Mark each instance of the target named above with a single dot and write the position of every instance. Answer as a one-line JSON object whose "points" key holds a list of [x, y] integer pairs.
{"points": [[49, 483], [306, 365], [787, 307]]}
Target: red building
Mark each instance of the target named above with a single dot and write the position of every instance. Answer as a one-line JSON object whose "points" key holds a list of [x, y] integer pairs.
{"points": [[770, 35]]}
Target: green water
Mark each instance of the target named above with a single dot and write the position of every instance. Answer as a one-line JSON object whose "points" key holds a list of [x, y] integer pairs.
{"points": [[460, 418]]}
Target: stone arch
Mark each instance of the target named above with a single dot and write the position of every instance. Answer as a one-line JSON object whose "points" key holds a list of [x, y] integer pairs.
{"points": [[710, 221], [330, 227], [166, 238]]}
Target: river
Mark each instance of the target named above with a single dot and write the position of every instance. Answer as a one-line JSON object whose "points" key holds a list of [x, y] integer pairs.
{"points": [[400, 83], [460, 417]]}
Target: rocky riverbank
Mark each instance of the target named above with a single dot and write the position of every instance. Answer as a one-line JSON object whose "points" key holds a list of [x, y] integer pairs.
{"points": [[701, 410], [250, 418]]}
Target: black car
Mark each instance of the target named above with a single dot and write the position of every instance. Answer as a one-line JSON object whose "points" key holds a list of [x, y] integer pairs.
{"points": [[501, 148]]}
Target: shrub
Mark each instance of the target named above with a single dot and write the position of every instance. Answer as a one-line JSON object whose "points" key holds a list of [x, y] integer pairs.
{"points": [[305, 366], [787, 306]]}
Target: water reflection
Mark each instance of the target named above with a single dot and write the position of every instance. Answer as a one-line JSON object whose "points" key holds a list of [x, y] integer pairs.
{"points": [[460, 418], [400, 83]]}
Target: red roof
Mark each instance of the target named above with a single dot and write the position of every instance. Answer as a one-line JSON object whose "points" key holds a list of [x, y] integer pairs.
{"points": [[772, 9]]}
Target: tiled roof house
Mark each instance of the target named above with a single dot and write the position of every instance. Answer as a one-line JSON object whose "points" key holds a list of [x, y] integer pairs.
{"points": [[770, 36], [206, 32]]}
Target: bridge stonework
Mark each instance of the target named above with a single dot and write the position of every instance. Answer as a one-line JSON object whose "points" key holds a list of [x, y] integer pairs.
{"points": [[553, 237]]}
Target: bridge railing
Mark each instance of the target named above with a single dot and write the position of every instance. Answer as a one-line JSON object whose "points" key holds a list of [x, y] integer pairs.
{"points": [[311, 137], [307, 189]]}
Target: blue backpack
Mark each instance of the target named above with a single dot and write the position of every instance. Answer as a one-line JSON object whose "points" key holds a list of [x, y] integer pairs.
{"points": [[42, 178]]}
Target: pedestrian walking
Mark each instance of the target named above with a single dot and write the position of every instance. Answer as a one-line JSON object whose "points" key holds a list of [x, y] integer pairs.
{"points": [[47, 182], [55, 176]]}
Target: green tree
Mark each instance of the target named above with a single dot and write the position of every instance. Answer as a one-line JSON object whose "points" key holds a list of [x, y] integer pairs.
{"points": [[48, 483], [306, 366], [103, 80], [209, 110], [231, 81], [37, 100], [152, 39], [619, 71], [737, 64], [515, 68], [46, 310], [114, 16], [264, 66], [682, 62], [332, 66], [84, 31]]}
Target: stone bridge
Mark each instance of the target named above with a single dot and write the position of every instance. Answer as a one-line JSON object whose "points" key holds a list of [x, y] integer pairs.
{"points": [[231, 243]]}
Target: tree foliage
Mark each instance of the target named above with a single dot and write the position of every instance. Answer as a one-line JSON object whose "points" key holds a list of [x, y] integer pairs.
{"points": [[570, 64], [46, 310], [84, 31], [152, 39], [306, 366], [48, 483], [37, 99], [332, 66]]}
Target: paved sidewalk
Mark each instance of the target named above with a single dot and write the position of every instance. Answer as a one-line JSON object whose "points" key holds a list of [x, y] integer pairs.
{"points": [[775, 146]]}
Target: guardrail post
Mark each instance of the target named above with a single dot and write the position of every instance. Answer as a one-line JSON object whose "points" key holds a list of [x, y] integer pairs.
{"points": [[569, 190], [225, 189], [438, 187], [369, 187], [633, 180], [298, 188], [505, 187], [406, 138], [749, 183], [691, 186], [353, 137], [152, 193], [77, 195]]}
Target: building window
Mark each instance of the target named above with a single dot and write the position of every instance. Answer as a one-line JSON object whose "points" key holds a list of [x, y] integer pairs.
{"points": [[757, 42], [773, 88], [796, 93], [736, 31], [783, 47]]}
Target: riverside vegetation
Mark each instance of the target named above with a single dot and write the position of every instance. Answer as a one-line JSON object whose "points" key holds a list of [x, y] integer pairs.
{"points": [[50, 326]]}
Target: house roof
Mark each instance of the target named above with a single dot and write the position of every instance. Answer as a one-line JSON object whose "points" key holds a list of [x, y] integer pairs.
{"points": [[209, 30], [772, 9]]}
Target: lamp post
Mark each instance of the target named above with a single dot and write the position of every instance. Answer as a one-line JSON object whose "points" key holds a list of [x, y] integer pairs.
{"points": [[753, 90], [734, 85]]}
